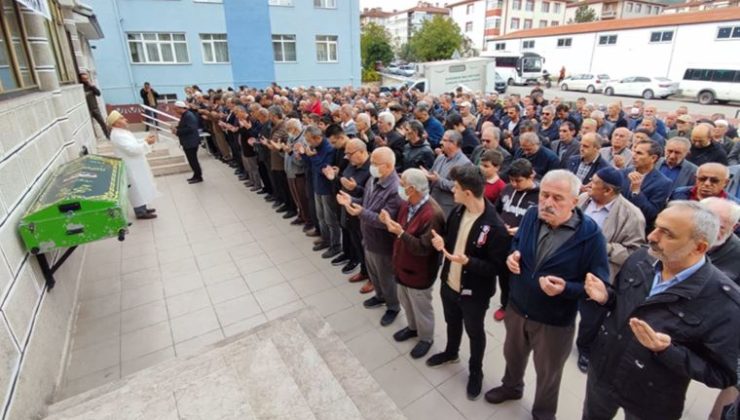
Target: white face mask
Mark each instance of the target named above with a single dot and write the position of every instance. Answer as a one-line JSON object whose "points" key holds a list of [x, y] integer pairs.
{"points": [[402, 193], [374, 171]]}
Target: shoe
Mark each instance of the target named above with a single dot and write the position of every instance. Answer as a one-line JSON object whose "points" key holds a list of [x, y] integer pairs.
{"points": [[499, 314], [341, 259], [440, 359], [583, 363], [350, 267], [475, 382], [151, 210], [421, 349], [297, 221], [232, 164], [261, 191], [320, 247], [358, 278], [404, 334], [313, 234], [278, 205], [307, 227], [195, 181], [290, 214], [373, 302], [388, 318], [330, 253], [269, 198], [367, 287], [243, 177], [256, 189], [318, 241], [238, 172], [500, 394], [249, 184], [145, 216]]}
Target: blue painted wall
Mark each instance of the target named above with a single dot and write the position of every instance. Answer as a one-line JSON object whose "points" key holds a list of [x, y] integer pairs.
{"points": [[250, 42]]}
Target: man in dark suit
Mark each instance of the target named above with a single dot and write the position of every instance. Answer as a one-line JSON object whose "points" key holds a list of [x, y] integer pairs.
{"points": [[674, 165], [187, 131], [567, 145], [590, 161], [643, 185]]}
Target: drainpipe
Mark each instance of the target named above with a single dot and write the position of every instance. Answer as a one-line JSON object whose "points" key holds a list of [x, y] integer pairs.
{"points": [[124, 47]]}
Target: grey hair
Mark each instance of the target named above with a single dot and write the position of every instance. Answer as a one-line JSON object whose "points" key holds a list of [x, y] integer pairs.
{"points": [[294, 123], [416, 178], [387, 117], [314, 131], [496, 132], [549, 108], [706, 223], [530, 138], [683, 140], [599, 115], [564, 175], [590, 121], [422, 106], [598, 139], [651, 119], [455, 136], [276, 110], [734, 208], [364, 117]]}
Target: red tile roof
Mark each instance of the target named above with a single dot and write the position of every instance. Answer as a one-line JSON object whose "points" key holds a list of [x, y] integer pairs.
{"points": [[705, 16], [459, 3], [581, 3]]}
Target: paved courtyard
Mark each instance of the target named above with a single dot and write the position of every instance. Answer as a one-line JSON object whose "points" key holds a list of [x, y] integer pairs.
{"points": [[218, 261]]}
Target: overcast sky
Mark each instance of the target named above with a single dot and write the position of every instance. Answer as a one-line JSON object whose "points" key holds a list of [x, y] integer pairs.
{"points": [[392, 4]]}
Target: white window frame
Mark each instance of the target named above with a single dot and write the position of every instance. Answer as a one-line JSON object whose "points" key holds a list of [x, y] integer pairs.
{"points": [[732, 33], [556, 7], [280, 3], [545, 25], [325, 4], [470, 24], [499, 46], [529, 5], [528, 44], [662, 35], [524, 24], [516, 3], [469, 9], [493, 22], [511, 23], [327, 42], [638, 7], [629, 6], [611, 39], [545, 8], [158, 43], [567, 42], [212, 42], [282, 40]]}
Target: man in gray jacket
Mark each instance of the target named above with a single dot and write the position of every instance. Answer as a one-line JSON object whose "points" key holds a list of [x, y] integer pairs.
{"points": [[439, 176]]}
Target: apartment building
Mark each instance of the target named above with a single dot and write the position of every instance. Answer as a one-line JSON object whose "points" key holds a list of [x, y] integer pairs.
{"points": [[616, 9]]}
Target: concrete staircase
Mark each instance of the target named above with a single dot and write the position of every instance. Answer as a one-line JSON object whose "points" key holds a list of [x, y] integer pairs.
{"points": [[166, 157], [294, 367]]}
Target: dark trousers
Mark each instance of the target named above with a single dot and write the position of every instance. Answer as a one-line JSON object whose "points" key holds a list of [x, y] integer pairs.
{"points": [[503, 282], [462, 310], [97, 116], [281, 190], [592, 315], [191, 154], [236, 151], [297, 187], [265, 175], [313, 216], [355, 238], [551, 346], [600, 402]]}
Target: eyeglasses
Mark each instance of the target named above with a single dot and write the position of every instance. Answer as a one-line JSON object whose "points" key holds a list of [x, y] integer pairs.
{"points": [[546, 113], [711, 179], [486, 141]]}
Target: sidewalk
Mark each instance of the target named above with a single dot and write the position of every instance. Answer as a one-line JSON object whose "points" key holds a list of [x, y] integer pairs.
{"points": [[219, 261]]}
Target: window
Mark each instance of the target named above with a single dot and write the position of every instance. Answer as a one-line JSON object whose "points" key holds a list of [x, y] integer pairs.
{"points": [[556, 8], [283, 48], [15, 72], [661, 36], [469, 9], [527, 23], [564, 42], [493, 22], [629, 6], [325, 4], [712, 75], [554, 23], [649, 9], [545, 7], [526, 45], [500, 46], [215, 48], [607, 39], [727, 32], [280, 3], [638, 8], [158, 48], [469, 27], [59, 44], [529, 5], [514, 23], [494, 4], [167, 98], [516, 5], [326, 48], [543, 24]]}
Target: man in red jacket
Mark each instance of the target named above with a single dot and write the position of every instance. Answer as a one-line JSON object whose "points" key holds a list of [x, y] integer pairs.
{"points": [[415, 261]]}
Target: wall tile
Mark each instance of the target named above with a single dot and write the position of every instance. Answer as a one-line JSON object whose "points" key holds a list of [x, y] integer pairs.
{"points": [[20, 305], [9, 360]]}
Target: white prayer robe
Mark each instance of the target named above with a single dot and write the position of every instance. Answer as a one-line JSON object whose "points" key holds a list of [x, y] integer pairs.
{"points": [[133, 151]]}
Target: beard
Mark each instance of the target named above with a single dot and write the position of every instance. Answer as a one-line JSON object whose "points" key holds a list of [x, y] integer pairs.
{"points": [[673, 257]]}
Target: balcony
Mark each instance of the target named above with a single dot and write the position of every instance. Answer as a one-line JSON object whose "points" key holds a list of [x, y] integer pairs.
{"points": [[608, 14], [493, 32], [493, 12]]}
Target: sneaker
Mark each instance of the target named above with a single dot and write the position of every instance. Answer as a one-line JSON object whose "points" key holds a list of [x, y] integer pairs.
{"points": [[440, 359], [367, 287], [475, 382], [421, 349], [501, 393], [404, 334], [499, 314], [373, 302], [583, 363], [341, 259], [388, 317], [350, 267], [330, 253]]}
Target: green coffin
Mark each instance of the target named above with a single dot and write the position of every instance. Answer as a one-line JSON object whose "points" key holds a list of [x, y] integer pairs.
{"points": [[82, 201]]}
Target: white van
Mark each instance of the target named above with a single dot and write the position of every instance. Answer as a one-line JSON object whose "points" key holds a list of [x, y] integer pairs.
{"points": [[708, 85]]}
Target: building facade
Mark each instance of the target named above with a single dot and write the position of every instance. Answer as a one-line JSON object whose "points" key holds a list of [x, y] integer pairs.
{"points": [[374, 15], [470, 16], [45, 123], [401, 25], [221, 43], [698, 5], [506, 16], [657, 46], [619, 9]]}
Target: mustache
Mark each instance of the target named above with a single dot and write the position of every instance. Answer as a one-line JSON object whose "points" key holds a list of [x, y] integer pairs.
{"points": [[654, 246], [548, 210]]}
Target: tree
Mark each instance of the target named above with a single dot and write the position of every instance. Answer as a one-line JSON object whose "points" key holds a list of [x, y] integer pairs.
{"points": [[585, 14], [405, 53], [375, 45], [437, 39]]}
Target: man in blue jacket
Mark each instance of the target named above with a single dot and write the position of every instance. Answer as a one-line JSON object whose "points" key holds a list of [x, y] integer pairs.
{"points": [[432, 126], [643, 185], [555, 247]]}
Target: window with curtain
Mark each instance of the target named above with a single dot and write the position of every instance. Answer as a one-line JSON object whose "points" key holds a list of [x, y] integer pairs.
{"points": [[283, 48], [15, 62], [158, 48], [326, 48], [215, 48]]}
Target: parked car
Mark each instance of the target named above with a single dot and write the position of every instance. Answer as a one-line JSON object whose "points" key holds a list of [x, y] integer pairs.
{"points": [[589, 82], [393, 69], [710, 84], [647, 87], [407, 70]]}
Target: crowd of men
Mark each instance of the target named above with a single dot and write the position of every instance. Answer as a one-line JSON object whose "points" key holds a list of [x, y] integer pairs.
{"points": [[613, 213]]}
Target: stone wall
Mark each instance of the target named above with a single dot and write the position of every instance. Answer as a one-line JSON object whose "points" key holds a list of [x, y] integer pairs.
{"points": [[40, 131]]}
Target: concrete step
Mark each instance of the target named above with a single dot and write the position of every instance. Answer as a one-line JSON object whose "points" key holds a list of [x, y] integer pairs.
{"points": [[171, 169], [164, 160], [294, 367]]}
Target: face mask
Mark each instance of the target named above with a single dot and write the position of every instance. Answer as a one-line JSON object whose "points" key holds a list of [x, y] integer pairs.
{"points": [[374, 171], [402, 193]]}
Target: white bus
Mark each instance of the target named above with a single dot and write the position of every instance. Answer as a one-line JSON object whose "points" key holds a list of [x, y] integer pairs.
{"points": [[517, 69], [708, 84]]}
